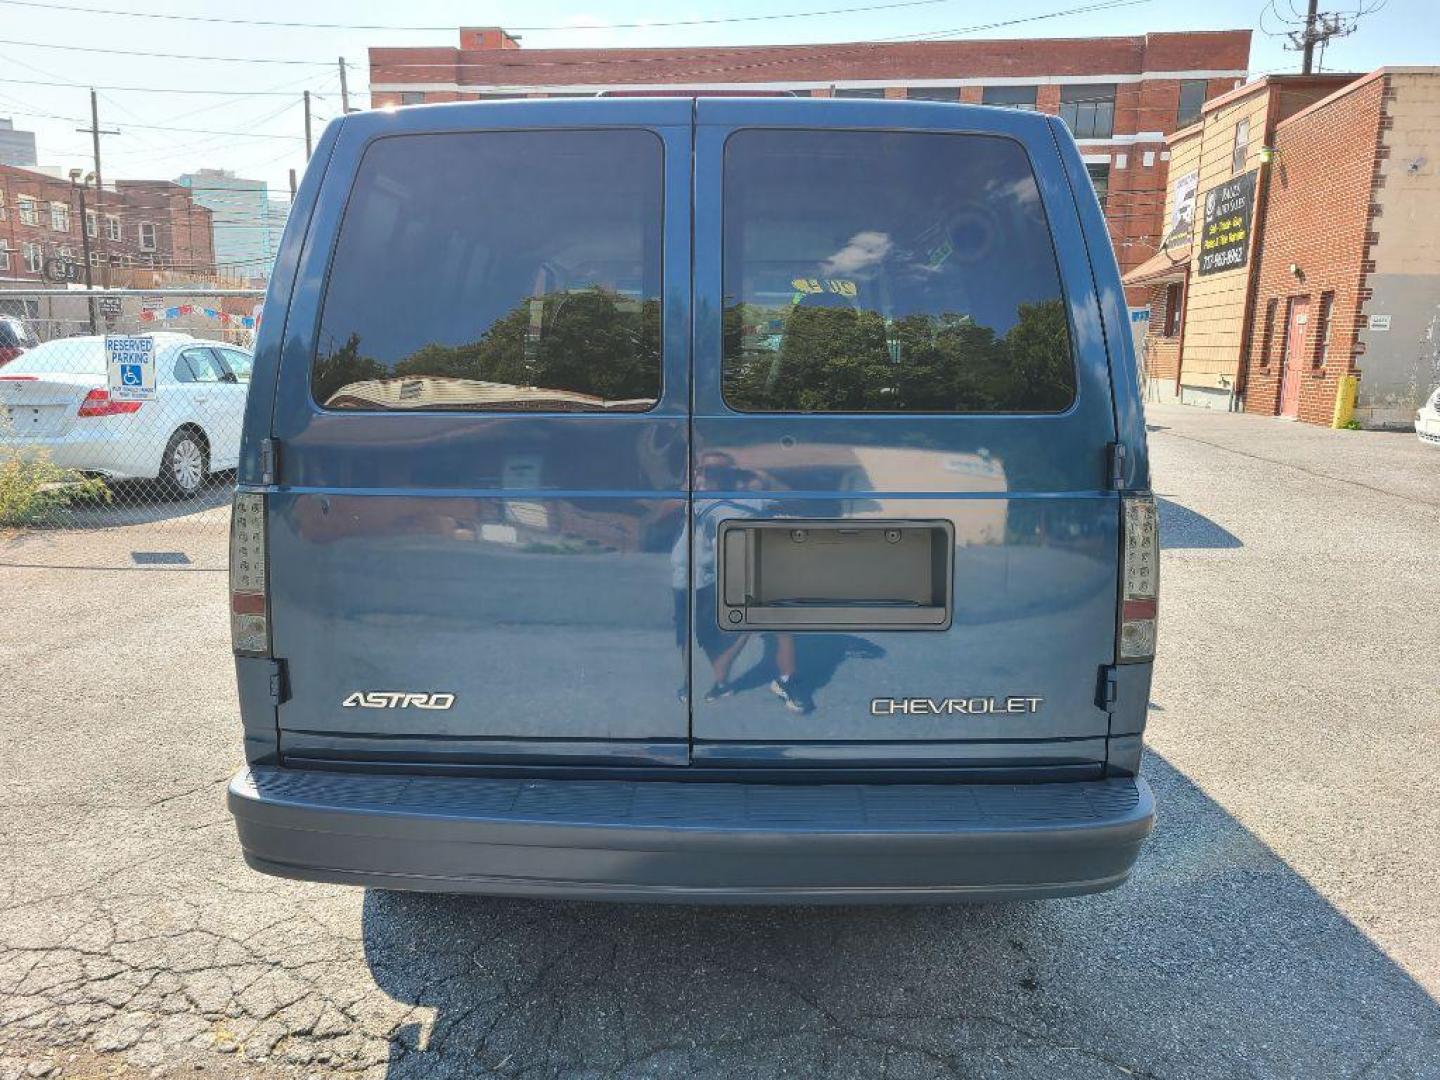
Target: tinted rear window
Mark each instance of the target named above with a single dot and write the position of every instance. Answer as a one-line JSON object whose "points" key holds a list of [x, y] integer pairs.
{"points": [[889, 272], [497, 270]]}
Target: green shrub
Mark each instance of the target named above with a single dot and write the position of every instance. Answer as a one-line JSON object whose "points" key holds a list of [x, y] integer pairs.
{"points": [[32, 487]]}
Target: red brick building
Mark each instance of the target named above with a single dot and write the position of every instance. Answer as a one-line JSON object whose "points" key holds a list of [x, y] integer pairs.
{"points": [[1120, 95], [140, 224], [1348, 281]]}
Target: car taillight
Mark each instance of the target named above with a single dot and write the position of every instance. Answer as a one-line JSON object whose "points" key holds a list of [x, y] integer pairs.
{"points": [[1140, 576], [249, 593], [98, 402]]}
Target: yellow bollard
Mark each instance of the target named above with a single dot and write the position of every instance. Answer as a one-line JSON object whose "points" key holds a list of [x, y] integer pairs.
{"points": [[1345, 400]]}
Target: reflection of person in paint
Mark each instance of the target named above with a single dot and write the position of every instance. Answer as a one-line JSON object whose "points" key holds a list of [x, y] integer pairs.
{"points": [[716, 471]]}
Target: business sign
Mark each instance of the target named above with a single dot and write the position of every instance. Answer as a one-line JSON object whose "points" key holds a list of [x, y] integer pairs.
{"points": [[1225, 235], [131, 364], [1182, 210]]}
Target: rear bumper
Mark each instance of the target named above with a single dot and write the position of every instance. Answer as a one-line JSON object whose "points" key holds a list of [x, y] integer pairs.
{"points": [[693, 840]]}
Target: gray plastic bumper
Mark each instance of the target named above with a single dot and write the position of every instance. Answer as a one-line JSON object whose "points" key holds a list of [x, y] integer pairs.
{"points": [[692, 840]]}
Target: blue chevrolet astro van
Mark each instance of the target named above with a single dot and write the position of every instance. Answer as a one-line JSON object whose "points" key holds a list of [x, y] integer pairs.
{"points": [[695, 500]]}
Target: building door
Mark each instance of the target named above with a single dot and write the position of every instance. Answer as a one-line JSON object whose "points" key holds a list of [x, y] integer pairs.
{"points": [[1297, 315]]}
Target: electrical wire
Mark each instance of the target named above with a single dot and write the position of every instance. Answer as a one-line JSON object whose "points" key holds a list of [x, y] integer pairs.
{"points": [[391, 28]]}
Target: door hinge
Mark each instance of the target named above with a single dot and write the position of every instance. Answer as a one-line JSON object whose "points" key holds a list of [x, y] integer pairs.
{"points": [[269, 461], [279, 687], [1107, 690], [1118, 470]]}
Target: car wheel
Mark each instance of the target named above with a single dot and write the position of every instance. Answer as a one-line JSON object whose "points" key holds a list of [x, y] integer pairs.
{"points": [[185, 464]]}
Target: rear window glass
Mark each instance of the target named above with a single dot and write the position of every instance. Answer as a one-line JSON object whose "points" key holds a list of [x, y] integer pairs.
{"points": [[889, 272], [72, 356], [497, 271]]}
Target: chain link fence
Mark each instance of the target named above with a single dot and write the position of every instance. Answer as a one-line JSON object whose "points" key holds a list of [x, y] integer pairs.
{"points": [[120, 421]]}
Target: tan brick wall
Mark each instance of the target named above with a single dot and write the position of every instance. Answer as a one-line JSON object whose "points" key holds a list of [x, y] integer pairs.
{"points": [[1317, 217], [1216, 304]]}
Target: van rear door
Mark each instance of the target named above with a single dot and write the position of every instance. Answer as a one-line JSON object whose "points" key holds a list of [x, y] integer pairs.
{"points": [[481, 427], [905, 546]]}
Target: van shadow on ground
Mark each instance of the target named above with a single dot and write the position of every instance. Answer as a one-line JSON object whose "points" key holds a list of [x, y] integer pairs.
{"points": [[1181, 527], [1216, 960]]}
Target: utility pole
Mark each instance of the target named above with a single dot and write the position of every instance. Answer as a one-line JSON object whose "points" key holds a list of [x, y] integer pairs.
{"points": [[95, 131], [1318, 29], [1308, 58], [307, 125], [344, 90], [79, 189]]}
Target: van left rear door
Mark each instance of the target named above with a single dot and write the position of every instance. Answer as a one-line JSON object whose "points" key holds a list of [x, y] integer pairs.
{"points": [[482, 429]]}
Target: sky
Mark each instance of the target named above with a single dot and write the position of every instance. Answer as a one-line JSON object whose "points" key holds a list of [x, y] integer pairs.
{"points": [[251, 119]]}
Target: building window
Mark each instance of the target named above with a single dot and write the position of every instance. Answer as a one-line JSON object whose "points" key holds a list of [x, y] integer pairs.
{"points": [[1009, 97], [60, 216], [1100, 176], [4, 257], [1267, 338], [412, 97], [29, 210], [2, 204], [92, 228], [1322, 331], [112, 228], [147, 236], [95, 258], [1089, 109], [1242, 146], [33, 258], [1174, 306], [933, 93], [68, 254], [861, 92], [1192, 100]]}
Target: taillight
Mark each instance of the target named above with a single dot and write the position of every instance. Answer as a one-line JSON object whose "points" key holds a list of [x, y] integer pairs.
{"points": [[98, 402], [1140, 574], [249, 595]]}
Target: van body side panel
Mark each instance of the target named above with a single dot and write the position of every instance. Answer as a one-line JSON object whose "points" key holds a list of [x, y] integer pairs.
{"points": [[517, 566], [269, 338], [1130, 709], [1025, 495]]}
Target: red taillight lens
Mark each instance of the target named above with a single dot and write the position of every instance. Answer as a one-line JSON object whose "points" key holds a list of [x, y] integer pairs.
{"points": [[1140, 579], [98, 402], [249, 581]]}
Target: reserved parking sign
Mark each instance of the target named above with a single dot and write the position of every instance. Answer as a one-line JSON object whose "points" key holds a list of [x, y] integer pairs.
{"points": [[131, 364]]}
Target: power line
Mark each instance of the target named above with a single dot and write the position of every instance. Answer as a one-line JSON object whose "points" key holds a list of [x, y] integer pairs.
{"points": [[168, 56], [391, 28], [150, 89], [163, 127]]}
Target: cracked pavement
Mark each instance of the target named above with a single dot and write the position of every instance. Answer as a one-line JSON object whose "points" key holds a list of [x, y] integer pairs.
{"points": [[1283, 921]]}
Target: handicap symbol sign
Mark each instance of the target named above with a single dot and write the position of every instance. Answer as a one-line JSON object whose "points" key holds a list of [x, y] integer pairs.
{"points": [[131, 364]]}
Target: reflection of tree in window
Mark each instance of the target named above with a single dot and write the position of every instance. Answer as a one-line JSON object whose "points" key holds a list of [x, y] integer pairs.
{"points": [[839, 359], [593, 348]]}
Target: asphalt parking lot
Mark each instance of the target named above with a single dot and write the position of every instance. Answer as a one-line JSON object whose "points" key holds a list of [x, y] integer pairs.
{"points": [[1283, 922]]}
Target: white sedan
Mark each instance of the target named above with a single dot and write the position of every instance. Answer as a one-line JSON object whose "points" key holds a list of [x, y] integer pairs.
{"points": [[1427, 420], [55, 398]]}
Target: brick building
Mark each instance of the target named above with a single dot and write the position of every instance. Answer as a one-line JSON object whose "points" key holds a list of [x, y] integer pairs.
{"points": [[1348, 281], [1121, 96], [140, 224], [1198, 286], [170, 230]]}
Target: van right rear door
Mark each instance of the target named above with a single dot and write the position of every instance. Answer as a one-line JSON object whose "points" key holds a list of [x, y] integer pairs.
{"points": [[904, 544]]}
